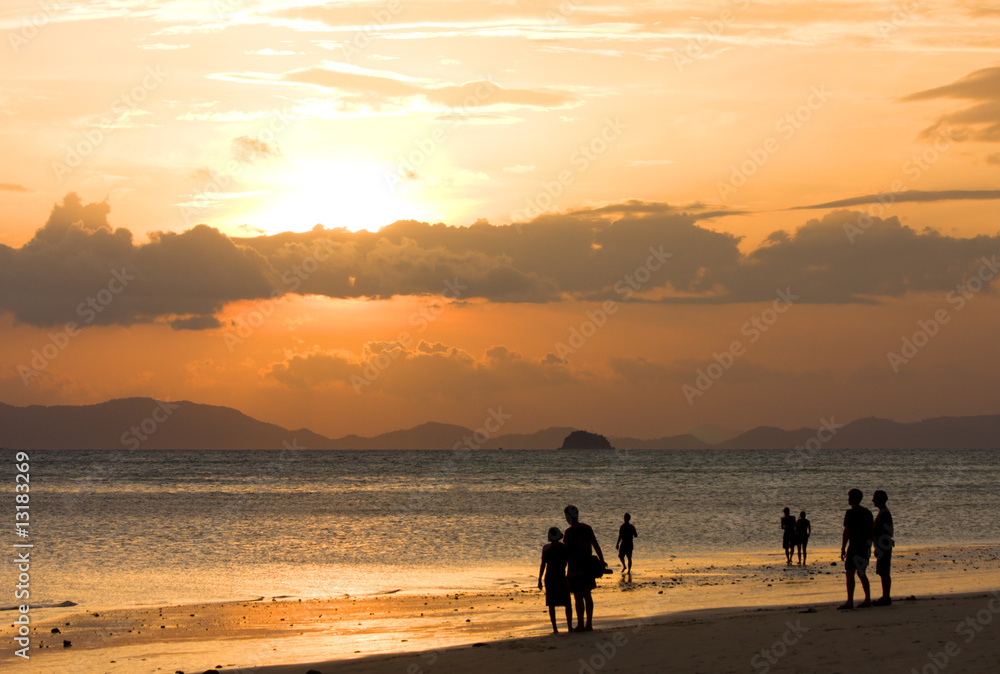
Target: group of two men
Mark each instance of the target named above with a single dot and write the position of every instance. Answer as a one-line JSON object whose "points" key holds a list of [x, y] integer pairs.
{"points": [[861, 532]]}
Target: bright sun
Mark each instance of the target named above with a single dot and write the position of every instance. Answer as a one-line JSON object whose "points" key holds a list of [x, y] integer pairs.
{"points": [[355, 195]]}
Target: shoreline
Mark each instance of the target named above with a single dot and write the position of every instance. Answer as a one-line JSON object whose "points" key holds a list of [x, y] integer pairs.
{"points": [[703, 568], [289, 631], [926, 634]]}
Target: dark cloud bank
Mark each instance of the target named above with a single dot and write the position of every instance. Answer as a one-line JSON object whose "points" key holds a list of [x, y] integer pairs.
{"points": [[78, 268]]}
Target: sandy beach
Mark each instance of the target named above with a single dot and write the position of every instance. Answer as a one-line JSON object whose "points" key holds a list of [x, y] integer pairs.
{"points": [[923, 634], [700, 615]]}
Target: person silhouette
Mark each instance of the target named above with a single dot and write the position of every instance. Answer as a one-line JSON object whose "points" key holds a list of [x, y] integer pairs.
{"points": [[882, 537], [857, 540], [556, 588], [788, 537], [626, 532], [580, 540], [802, 532]]}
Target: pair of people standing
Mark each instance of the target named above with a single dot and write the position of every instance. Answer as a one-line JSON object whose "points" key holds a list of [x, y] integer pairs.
{"points": [[861, 531], [568, 569], [797, 532]]}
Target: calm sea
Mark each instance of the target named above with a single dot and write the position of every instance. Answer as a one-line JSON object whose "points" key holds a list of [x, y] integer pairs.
{"points": [[133, 527]]}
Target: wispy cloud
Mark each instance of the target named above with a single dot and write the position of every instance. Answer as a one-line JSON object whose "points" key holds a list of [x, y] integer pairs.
{"points": [[908, 196], [978, 122]]}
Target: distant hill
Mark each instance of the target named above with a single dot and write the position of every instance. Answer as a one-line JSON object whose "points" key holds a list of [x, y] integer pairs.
{"points": [[980, 432], [550, 438], [144, 423], [769, 437], [425, 436], [585, 440], [711, 434], [686, 441], [959, 432]]}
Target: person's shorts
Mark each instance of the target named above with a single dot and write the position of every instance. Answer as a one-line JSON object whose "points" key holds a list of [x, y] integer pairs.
{"points": [[883, 562], [625, 552], [788, 542], [855, 561], [581, 583]]}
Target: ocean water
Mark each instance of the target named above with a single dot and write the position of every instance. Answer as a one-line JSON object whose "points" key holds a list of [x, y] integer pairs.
{"points": [[133, 527]]}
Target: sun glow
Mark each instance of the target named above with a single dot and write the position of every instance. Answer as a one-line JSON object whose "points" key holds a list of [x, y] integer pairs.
{"points": [[355, 195]]}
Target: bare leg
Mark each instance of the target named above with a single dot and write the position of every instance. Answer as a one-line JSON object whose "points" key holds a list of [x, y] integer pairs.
{"points": [[552, 617], [866, 586], [569, 619], [578, 598], [805, 552], [630, 565], [850, 590], [590, 610], [886, 586]]}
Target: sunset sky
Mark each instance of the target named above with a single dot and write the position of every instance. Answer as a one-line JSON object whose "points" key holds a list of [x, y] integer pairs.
{"points": [[635, 218]]}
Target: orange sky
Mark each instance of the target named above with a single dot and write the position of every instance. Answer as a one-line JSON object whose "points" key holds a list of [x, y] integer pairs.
{"points": [[580, 136]]}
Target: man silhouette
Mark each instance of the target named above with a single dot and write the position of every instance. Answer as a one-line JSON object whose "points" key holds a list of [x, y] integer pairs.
{"points": [[580, 541], [882, 534], [788, 537], [856, 547], [626, 532]]}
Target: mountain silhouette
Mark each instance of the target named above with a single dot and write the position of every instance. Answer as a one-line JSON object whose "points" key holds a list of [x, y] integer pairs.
{"points": [[145, 423]]}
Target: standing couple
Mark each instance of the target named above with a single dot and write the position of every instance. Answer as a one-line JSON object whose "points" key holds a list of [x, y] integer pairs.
{"points": [[861, 532], [575, 552]]}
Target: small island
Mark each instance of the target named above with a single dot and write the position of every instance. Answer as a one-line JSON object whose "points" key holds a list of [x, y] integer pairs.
{"points": [[585, 440]]}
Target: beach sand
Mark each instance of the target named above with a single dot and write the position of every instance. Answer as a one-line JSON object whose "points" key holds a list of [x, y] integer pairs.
{"points": [[729, 613]]}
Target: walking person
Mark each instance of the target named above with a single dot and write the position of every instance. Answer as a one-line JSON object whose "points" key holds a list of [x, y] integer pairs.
{"points": [[556, 588], [580, 541], [626, 533], [856, 547]]}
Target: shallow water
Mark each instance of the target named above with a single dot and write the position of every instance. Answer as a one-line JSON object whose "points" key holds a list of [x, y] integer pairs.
{"points": [[126, 528]]}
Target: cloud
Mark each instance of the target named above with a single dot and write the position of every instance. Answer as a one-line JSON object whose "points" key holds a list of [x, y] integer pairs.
{"points": [[379, 87], [821, 264], [601, 26], [909, 195], [11, 187], [980, 85], [427, 368], [250, 229], [248, 149], [196, 323], [77, 268], [636, 251], [685, 371], [978, 122], [639, 207], [377, 20]]}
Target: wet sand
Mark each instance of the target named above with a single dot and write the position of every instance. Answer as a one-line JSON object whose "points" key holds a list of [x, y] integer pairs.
{"points": [[697, 614]]}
